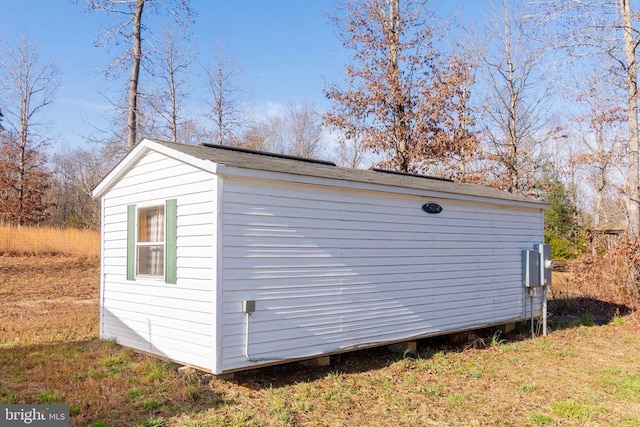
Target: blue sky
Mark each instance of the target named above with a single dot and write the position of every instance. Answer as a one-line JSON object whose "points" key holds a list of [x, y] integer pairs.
{"points": [[287, 49]]}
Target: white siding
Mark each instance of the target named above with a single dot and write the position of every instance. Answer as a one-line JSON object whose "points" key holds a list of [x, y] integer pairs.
{"points": [[175, 321], [333, 268]]}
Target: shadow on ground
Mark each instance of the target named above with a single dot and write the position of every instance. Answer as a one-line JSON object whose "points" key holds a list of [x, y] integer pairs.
{"points": [[563, 314], [585, 311], [374, 358]]}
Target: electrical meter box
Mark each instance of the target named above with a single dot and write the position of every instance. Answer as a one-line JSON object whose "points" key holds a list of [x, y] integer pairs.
{"points": [[531, 268], [536, 266], [546, 263]]}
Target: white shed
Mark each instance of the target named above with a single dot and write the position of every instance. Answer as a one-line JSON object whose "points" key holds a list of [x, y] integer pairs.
{"points": [[226, 259]]}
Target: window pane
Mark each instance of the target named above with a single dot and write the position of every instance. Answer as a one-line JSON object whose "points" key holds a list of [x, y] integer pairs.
{"points": [[151, 224], [151, 260]]}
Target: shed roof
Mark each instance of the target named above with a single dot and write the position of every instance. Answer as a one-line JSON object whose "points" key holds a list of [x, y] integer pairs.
{"points": [[616, 227], [263, 161]]}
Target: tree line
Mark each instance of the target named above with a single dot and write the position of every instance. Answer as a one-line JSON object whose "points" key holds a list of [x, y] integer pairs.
{"points": [[538, 98]]}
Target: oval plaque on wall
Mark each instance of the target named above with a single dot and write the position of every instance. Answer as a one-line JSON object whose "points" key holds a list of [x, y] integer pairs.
{"points": [[432, 208]]}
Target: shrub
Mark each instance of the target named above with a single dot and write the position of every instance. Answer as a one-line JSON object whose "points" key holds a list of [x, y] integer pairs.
{"points": [[561, 230], [613, 276]]}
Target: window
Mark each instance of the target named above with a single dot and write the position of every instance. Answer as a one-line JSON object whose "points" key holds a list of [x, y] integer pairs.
{"points": [[150, 241]]}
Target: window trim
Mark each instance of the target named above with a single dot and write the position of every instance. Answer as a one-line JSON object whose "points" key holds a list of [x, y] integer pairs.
{"points": [[171, 241], [139, 244], [169, 275]]}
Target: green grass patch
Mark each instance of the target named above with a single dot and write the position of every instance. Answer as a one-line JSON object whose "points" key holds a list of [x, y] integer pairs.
{"points": [[156, 370], [527, 388], [48, 397], [432, 390], [623, 386], [475, 374], [617, 320], [134, 393], [241, 419], [571, 409], [539, 419], [494, 339], [154, 422], [9, 397], [151, 404], [631, 421], [277, 403], [112, 364], [457, 398], [587, 319], [630, 387]]}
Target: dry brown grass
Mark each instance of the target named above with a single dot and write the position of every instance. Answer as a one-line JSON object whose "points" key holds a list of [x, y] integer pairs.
{"points": [[49, 352], [600, 286], [48, 241]]}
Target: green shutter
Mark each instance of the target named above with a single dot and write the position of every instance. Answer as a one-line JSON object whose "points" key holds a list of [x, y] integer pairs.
{"points": [[131, 242], [171, 238]]}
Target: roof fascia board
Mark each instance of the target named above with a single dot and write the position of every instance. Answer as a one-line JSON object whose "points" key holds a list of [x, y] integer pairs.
{"points": [[119, 170], [224, 170]]}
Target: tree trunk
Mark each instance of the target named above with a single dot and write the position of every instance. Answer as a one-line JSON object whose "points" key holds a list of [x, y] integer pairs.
{"points": [[220, 106], [24, 137], [512, 123], [633, 178], [174, 95], [601, 177], [22, 164], [402, 136], [132, 107], [600, 184]]}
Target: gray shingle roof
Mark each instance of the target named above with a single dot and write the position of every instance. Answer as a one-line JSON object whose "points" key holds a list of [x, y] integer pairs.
{"points": [[266, 162]]}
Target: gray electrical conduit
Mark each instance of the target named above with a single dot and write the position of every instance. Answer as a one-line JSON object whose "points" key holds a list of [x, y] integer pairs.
{"points": [[246, 346], [543, 314]]}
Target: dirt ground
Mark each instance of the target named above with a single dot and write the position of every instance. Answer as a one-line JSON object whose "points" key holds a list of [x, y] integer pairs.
{"points": [[48, 299]]}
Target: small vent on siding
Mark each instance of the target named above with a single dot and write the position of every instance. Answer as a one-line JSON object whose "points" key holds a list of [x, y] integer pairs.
{"points": [[266, 153], [411, 174]]}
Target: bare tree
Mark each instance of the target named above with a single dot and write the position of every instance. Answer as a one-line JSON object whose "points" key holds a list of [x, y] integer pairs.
{"points": [[260, 135], [399, 89], [28, 86], [75, 174], [171, 65], [464, 163], [608, 33], [351, 151], [601, 139], [515, 104], [227, 98], [305, 130], [298, 132], [130, 30], [631, 40], [350, 127], [136, 58]]}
